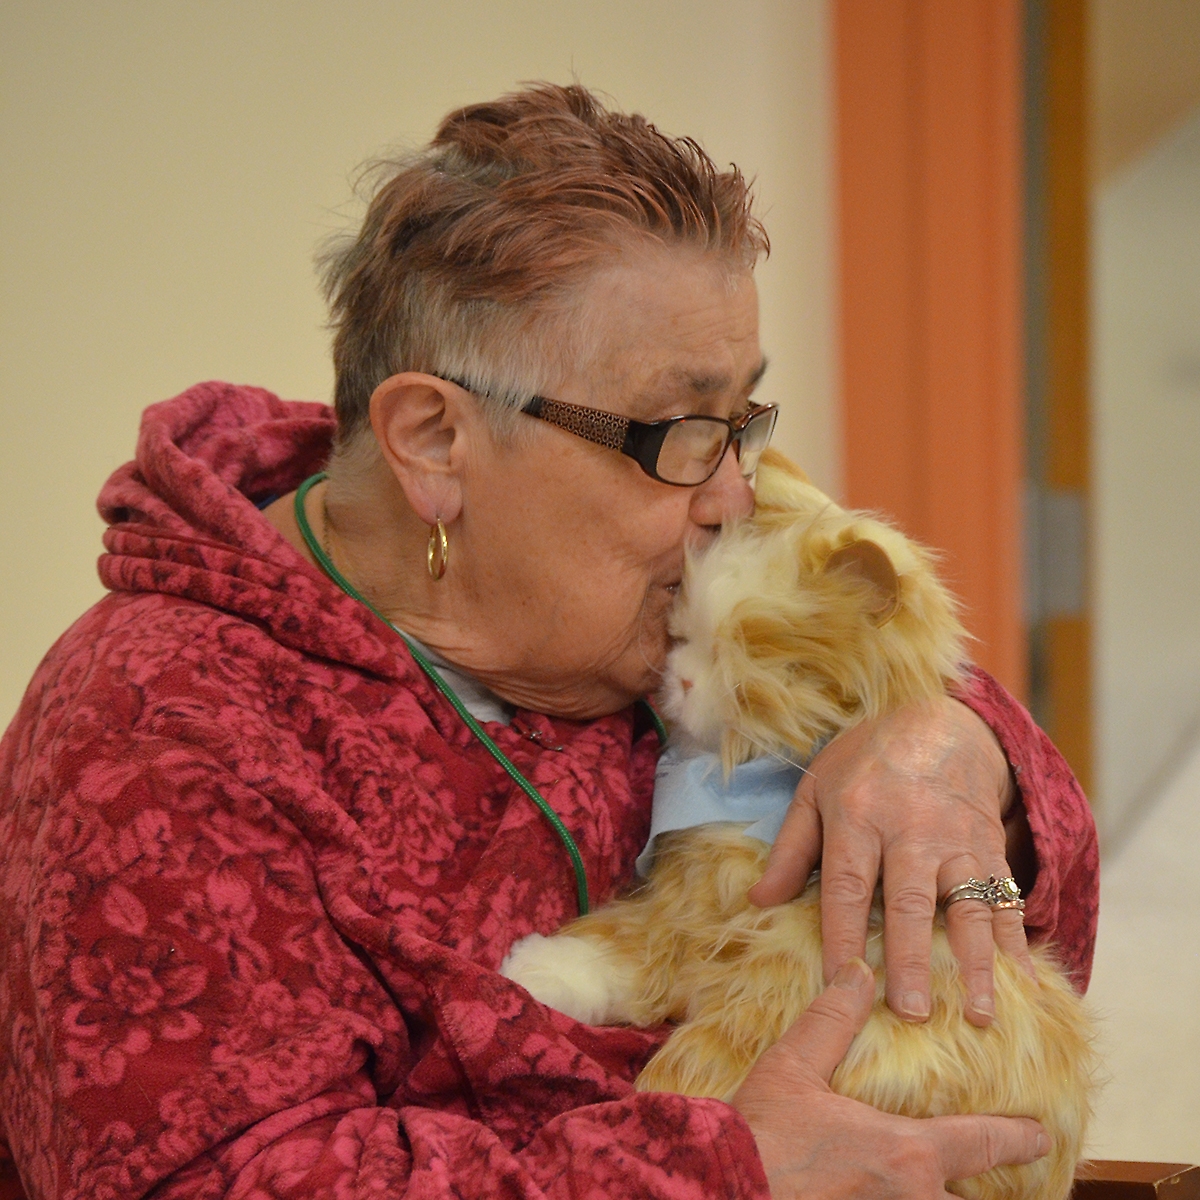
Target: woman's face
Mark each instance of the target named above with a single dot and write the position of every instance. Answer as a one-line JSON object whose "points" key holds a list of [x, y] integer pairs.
{"points": [[568, 554]]}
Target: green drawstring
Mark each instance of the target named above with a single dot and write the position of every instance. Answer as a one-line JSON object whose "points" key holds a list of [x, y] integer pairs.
{"points": [[473, 725]]}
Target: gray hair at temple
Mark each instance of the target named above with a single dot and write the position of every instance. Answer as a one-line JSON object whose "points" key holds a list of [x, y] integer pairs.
{"points": [[475, 250]]}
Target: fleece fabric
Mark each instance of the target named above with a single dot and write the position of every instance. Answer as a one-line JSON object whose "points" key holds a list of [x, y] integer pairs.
{"points": [[257, 877]]}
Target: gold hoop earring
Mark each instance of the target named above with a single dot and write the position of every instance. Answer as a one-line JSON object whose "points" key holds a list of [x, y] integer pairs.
{"points": [[438, 552]]}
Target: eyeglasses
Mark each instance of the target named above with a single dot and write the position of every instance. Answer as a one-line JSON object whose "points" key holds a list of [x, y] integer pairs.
{"points": [[682, 451]]}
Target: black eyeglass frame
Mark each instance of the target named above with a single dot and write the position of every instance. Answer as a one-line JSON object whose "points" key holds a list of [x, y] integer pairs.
{"points": [[641, 440]]}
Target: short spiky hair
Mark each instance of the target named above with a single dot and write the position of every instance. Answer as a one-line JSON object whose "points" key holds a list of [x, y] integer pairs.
{"points": [[474, 248]]}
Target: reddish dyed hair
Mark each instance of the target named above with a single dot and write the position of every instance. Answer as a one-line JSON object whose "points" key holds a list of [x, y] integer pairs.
{"points": [[473, 250]]}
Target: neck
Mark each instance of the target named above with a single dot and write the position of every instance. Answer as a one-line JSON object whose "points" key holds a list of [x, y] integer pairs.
{"points": [[365, 525], [362, 521], [376, 541]]}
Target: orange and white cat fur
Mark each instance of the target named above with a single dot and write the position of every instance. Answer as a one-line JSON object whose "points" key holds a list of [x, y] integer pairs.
{"points": [[793, 626]]}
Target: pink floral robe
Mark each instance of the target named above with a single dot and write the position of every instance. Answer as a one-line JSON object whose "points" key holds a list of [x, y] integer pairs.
{"points": [[257, 877]]}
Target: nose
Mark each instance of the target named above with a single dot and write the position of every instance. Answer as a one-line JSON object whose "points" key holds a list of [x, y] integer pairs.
{"points": [[725, 497]]}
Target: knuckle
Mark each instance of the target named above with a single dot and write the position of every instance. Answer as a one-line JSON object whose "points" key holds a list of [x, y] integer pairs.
{"points": [[847, 888], [991, 1148], [805, 797], [961, 864], [977, 976], [912, 902], [915, 1157], [857, 801], [974, 914], [830, 1009], [983, 1139]]}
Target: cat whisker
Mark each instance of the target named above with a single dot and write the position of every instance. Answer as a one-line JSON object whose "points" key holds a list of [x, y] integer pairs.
{"points": [[770, 752], [791, 762]]}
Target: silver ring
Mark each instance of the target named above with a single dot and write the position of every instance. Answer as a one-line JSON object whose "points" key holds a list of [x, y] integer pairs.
{"points": [[995, 893], [973, 889]]}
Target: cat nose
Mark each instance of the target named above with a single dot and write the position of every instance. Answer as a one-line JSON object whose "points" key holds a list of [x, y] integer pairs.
{"points": [[686, 684]]}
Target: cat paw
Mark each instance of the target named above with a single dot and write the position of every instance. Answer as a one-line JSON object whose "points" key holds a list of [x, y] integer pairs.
{"points": [[572, 975]]}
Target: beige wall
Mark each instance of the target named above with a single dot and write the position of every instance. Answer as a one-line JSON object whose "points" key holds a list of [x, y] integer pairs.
{"points": [[169, 169], [1144, 58], [1146, 489]]}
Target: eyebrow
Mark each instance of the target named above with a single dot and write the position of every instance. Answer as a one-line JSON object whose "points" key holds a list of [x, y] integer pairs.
{"points": [[710, 385], [757, 374]]}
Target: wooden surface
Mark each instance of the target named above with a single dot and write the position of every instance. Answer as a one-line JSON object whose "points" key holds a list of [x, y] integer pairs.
{"points": [[1112, 1180]]}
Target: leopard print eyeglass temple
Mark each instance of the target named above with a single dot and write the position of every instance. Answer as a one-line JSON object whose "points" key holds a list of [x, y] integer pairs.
{"points": [[683, 451]]}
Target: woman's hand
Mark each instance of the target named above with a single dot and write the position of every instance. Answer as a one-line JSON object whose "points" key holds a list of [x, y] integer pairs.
{"points": [[919, 795], [820, 1146]]}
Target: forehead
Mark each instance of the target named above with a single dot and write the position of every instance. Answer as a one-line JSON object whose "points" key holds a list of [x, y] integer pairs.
{"points": [[669, 330]]}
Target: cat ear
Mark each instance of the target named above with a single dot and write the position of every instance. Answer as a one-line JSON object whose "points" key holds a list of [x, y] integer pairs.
{"points": [[869, 561], [775, 460]]}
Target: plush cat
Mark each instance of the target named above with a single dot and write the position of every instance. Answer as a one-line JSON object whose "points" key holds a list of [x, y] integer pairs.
{"points": [[794, 625]]}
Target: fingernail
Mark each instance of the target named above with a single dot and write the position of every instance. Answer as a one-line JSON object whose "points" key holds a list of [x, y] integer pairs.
{"points": [[852, 975], [915, 1004], [1043, 1144], [984, 1005]]}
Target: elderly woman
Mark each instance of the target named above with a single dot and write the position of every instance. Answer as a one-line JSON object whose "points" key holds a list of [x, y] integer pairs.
{"points": [[276, 808]]}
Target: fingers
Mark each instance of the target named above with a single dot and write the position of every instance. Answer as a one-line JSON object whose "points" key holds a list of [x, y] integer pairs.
{"points": [[1008, 928], [822, 1035], [974, 930], [813, 1142], [969, 1146], [909, 903], [795, 852], [849, 871], [969, 932], [919, 793]]}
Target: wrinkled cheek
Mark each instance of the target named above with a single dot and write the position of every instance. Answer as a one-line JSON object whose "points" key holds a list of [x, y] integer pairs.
{"points": [[653, 638]]}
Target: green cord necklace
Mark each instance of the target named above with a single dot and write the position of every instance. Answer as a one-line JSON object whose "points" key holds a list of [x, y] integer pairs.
{"points": [[327, 565]]}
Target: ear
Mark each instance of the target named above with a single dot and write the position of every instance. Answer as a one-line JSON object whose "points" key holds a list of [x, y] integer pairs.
{"points": [[422, 424], [870, 563]]}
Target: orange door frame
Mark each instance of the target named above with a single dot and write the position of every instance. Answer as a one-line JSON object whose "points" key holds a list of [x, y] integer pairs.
{"points": [[929, 168]]}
